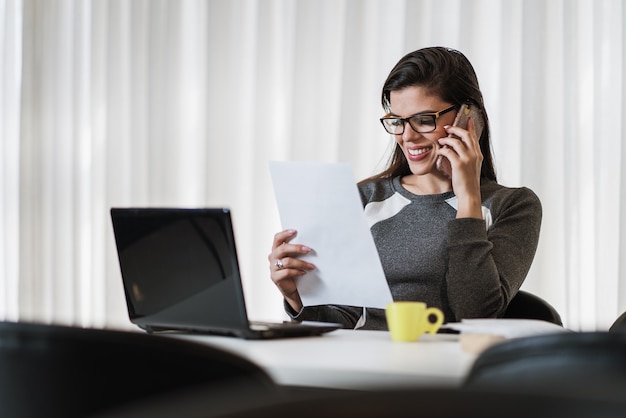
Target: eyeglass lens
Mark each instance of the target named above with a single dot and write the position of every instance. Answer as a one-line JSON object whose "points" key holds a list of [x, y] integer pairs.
{"points": [[419, 123]]}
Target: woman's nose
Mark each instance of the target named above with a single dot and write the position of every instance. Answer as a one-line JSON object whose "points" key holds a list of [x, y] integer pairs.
{"points": [[409, 132]]}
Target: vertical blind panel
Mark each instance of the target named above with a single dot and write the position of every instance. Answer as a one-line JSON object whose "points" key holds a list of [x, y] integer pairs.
{"points": [[83, 257], [10, 81], [586, 162], [620, 59], [606, 139], [554, 165], [96, 24]]}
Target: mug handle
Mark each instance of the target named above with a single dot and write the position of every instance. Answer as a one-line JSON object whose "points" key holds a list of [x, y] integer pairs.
{"points": [[433, 327]]}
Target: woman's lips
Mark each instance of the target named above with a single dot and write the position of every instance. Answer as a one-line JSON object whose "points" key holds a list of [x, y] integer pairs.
{"points": [[416, 154]]}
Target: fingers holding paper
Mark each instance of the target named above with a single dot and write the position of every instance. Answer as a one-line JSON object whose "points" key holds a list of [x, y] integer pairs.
{"points": [[285, 266]]}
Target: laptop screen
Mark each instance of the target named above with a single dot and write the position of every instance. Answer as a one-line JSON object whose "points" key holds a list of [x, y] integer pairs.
{"points": [[179, 267]]}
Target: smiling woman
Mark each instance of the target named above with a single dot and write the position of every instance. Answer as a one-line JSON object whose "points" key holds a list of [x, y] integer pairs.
{"points": [[172, 103], [458, 240]]}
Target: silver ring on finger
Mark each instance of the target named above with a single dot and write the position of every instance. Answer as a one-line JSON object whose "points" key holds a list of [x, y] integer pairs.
{"points": [[279, 264]]}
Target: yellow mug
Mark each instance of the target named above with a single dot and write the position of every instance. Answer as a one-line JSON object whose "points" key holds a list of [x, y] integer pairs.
{"points": [[407, 321]]}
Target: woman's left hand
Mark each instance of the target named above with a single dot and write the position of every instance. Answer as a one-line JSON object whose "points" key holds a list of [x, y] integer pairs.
{"points": [[462, 150]]}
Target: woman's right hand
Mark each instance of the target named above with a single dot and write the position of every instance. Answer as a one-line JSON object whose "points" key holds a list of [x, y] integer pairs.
{"points": [[285, 266]]}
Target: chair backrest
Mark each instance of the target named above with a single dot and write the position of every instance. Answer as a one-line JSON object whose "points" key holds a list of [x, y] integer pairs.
{"points": [[620, 324], [59, 371], [589, 365], [529, 306]]}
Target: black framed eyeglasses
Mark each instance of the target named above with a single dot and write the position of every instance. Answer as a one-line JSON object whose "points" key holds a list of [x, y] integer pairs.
{"points": [[421, 123]]}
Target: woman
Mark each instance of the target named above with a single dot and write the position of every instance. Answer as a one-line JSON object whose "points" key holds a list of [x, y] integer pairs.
{"points": [[447, 233]]}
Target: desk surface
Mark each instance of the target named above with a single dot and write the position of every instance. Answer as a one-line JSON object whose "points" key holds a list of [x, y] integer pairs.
{"points": [[347, 359]]}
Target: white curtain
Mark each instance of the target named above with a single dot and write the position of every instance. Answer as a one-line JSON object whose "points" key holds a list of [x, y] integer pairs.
{"points": [[183, 103]]}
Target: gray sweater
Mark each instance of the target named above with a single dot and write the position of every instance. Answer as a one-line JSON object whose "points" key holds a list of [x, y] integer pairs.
{"points": [[469, 268]]}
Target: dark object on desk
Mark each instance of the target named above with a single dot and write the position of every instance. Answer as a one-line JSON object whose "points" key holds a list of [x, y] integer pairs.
{"points": [[586, 365], [180, 272], [528, 306], [59, 371], [620, 324]]}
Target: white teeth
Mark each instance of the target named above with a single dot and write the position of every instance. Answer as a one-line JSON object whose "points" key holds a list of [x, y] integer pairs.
{"points": [[418, 151]]}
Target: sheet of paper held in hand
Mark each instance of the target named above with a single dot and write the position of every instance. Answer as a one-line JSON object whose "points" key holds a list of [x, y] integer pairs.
{"points": [[321, 201]]}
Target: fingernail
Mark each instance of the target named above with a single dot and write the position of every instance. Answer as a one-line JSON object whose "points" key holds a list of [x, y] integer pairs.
{"points": [[306, 249]]}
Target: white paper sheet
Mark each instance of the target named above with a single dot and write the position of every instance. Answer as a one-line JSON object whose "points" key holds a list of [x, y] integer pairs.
{"points": [[321, 202], [506, 327]]}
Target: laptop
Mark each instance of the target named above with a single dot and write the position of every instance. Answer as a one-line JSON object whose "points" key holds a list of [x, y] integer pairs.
{"points": [[180, 273]]}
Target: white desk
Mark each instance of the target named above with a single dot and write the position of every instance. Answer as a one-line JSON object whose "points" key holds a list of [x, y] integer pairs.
{"points": [[347, 359]]}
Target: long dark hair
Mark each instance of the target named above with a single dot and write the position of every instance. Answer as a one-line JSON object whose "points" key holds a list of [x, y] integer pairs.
{"points": [[448, 74]]}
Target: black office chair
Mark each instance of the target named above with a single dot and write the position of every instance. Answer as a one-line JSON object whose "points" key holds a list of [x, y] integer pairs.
{"points": [[529, 306], [59, 371], [586, 365], [619, 325]]}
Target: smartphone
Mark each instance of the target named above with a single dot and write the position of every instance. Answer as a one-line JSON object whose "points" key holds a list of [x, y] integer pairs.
{"points": [[466, 112]]}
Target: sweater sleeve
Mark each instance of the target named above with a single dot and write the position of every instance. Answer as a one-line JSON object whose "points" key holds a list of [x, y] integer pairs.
{"points": [[487, 267], [347, 316]]}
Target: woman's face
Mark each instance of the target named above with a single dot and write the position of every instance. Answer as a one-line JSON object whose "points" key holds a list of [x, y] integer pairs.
{"points": [[420, 149]]}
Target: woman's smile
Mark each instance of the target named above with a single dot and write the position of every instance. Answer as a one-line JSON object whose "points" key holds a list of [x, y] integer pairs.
{"points": [[417, 153]]}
